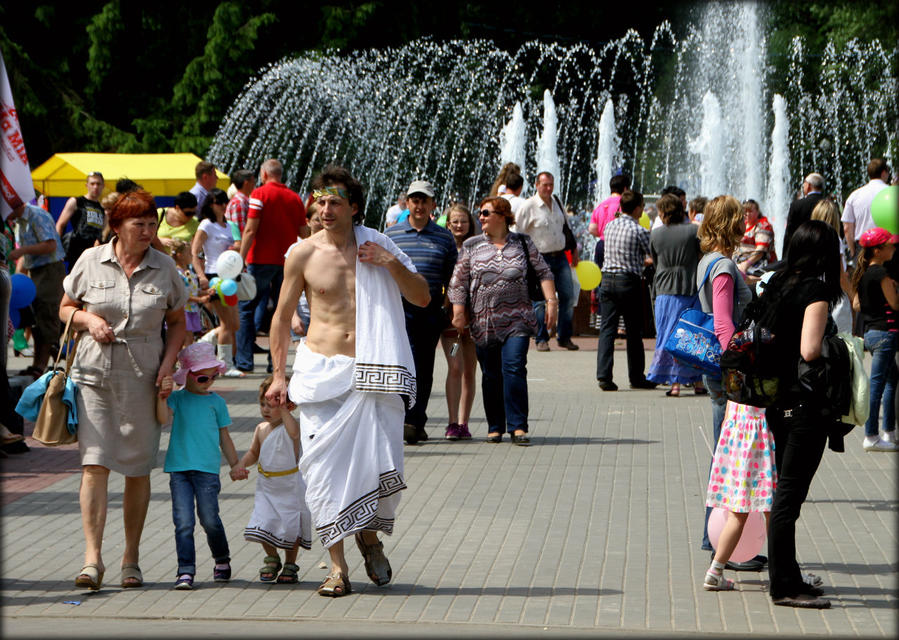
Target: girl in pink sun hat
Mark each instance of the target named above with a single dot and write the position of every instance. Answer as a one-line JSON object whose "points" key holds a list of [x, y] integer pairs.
{"points": [[199, 437]]}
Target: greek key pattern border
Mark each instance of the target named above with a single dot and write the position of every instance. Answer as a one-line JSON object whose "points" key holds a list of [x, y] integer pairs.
{"points": [[382, 378], [361, 513]]}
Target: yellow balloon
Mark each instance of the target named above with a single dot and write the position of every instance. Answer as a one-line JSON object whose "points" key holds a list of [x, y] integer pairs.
{"points": [[588, 274], [644, 221]]}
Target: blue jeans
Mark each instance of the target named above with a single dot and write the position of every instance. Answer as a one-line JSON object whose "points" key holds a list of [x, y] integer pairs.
{"points": [[268, 280], [719, 405], [504, 384], [558, 264], [621, 294], [205, 487], [423, 326], [884, 375]]}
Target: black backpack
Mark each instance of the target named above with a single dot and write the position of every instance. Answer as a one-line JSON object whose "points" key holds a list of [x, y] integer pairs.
{"points": [[750, 366]]}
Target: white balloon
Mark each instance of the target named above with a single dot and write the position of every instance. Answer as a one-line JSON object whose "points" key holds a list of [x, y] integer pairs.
{"points": [[229, 265]]}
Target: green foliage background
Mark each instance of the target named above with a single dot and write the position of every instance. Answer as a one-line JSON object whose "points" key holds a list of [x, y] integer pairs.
{"points": [[131, 76]]}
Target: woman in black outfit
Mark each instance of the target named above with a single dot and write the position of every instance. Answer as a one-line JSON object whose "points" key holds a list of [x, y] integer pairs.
{"points": [[803, 293]]}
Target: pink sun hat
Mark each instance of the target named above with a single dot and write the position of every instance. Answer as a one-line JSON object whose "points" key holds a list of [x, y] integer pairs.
{"points": [[196, 357]]}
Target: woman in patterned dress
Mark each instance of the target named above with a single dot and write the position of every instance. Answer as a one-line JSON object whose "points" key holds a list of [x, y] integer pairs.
{"points": [[489, 286]]}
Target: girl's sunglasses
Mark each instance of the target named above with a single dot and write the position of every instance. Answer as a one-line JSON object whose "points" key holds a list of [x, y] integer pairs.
{"points": [[203, 378]]}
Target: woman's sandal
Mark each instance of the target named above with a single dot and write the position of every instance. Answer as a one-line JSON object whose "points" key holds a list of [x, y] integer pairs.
{"points": [[132, 578], [270, 569], [335, 585], [717, 582], [700, 391], [90, 577], [288, 574], [377, 568], [673, 392]]}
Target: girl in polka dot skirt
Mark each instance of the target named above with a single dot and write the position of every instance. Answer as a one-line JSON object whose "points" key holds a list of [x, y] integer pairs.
{"points": [[742, 480]]}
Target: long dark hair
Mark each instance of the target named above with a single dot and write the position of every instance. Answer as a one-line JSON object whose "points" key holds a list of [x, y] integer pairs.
{"points": [[814, 252], [216, 196]]}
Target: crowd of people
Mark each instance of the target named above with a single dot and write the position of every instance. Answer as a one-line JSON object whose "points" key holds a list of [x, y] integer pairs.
{"points": [[366, 311]]}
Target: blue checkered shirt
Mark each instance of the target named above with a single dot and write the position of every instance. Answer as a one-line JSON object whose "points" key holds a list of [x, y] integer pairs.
{"points": [[626, 246]]}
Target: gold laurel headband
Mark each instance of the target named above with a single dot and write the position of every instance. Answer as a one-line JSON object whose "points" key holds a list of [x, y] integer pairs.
{"points": [[330, 191]]}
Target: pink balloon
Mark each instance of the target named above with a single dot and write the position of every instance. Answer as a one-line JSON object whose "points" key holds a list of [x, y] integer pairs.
{"points": [[751, 541]]}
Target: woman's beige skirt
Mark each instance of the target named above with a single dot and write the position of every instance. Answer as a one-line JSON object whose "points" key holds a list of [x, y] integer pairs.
{"points": [[117, 426]]}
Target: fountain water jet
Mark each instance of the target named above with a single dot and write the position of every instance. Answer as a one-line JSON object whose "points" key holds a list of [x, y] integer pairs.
{"points": [[512, 141], [606, 152], [778, 196], [547, 149], [708, 146]]}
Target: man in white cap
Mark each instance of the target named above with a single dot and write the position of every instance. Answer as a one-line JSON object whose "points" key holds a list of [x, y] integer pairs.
{"points": [[432, 250]]}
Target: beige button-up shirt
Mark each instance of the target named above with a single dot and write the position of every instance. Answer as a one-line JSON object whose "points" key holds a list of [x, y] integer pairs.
{"points": [[133, 307], [542, 223]]}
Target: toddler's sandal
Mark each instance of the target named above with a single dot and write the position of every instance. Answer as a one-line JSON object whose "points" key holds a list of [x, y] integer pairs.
{"points": [[288, 574], [270, 569]]}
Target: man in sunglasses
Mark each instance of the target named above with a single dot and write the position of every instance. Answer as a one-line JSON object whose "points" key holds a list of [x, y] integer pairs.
{"points": [[349, 374]]}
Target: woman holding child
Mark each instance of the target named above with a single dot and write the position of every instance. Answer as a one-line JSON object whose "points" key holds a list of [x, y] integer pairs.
{"points": [[119, 298]]}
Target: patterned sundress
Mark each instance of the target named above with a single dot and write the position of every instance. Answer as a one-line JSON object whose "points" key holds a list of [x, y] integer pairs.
{"points": [[743, 476]]}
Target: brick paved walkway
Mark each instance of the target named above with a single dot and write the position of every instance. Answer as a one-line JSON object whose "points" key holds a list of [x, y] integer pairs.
{"points": [[594, 529]]}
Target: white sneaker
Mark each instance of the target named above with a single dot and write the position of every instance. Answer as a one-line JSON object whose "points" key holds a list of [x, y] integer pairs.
{"points": [[890, 436], [234, 372], [879, 445]]}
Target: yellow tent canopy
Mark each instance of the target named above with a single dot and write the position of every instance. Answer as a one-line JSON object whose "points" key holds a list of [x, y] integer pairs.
{"points": [[162, 174]]}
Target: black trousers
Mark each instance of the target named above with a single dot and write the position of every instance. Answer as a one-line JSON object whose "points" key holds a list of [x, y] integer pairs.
{"points": [[619, 295], [423, 326], [798, 447]]}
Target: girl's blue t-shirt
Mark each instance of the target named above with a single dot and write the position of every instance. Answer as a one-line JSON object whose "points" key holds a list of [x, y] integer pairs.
{"points": [[194, 443]]}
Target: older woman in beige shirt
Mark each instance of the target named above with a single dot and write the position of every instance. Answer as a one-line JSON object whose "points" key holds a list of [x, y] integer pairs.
{"points": [[120, 294]]}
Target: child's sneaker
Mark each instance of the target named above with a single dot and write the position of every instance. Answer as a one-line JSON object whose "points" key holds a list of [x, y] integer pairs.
{"points": [[185, 582], [452, 431], [221, 573], [464, 433]]}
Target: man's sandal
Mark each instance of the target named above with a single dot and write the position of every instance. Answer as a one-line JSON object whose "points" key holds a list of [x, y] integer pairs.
{"points": [[270, 569], [376, 565], [289, 574], [717, 582], [132, 578], [90, 577], [335, 585]]}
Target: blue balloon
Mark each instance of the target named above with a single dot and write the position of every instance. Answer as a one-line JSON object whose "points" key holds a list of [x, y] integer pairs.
{"points": [[14, 316], [214, 282], [23, 291], [229, 287]]}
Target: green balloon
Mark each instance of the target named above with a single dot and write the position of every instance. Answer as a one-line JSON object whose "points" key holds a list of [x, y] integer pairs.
{"points": [[885, 209]]}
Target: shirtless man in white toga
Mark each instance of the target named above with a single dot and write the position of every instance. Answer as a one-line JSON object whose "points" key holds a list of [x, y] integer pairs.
{"points": [[324, 266]]}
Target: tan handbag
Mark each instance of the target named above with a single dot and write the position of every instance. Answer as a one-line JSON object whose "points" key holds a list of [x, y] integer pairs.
{"points": [[51, 426]]}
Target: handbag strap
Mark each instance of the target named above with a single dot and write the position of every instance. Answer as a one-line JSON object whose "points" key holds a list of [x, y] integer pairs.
{"points": [[70, 354], [704, 279], [527, 256], [562, 209]]}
